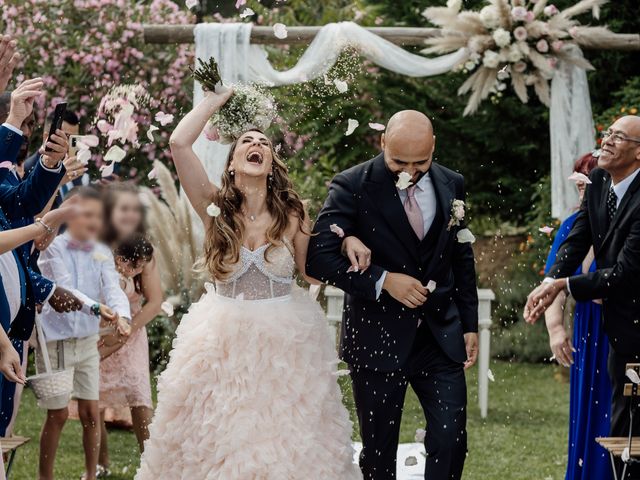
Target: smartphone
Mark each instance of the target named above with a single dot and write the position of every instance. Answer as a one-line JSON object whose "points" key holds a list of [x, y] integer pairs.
{"points": [[58, 113], [73, 144]]}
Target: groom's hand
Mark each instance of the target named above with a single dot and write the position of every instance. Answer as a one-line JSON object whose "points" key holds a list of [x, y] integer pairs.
{"points": [[541, 298], [405, 289], [471, 346]]}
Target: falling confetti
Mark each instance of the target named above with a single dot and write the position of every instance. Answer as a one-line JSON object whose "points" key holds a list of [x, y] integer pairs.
{"points": [[167, 308], [431, 286], [546, 230], [337, 230], [579, 177], [465, 236], [490, 375], [191, 3], [280, 31], [107, 170], [152, 128], [213, 210], [420, 434], [164, 118], [342, 373], [115, 154], [351, 127], [404, 181], [152, 175], [633, 376], [247, 13], [377, 126], [341, 85], [240, 3]]}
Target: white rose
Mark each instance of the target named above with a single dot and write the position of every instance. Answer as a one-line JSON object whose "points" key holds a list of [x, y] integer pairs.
{"points": [[491, 59], [489, 17], [524, 48], [502, 37], [514, 55], [454, 5]]}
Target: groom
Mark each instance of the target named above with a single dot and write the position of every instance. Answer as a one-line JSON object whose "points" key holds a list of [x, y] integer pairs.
{"points": [[395, 332]]}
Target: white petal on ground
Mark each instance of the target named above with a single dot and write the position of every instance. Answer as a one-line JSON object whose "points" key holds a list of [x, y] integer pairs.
{"points": [[152, 128], [280, 31], [633, 376], [351, 126], [167, 308], [579, 177], [341, 85], [490, 375], [404, 181], [213, 210], [336, 229], [546, 229], [420, 434], [465, 236], [431, 286], [377, 126], [115, 154], [410, 461], [247, 13]]}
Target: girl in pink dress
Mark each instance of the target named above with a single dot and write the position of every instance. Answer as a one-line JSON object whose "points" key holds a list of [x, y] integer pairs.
{"points": [[124, 370]]}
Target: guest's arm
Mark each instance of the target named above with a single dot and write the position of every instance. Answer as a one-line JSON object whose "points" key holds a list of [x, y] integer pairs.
{"points": [[10, 364], [153, 296], [114, 296], [191, 172], [301, 247], [9, 58], [325, 260], [559, 341]]}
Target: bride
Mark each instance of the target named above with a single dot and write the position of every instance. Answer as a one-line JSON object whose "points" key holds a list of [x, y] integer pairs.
{"points": [[250, 390]]}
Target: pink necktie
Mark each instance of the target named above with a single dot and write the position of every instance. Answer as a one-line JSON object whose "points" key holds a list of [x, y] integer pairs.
{"points": [[414, 214]]}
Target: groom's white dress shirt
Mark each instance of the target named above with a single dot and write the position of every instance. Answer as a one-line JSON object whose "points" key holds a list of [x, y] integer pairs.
{"points": [[425, 195]]}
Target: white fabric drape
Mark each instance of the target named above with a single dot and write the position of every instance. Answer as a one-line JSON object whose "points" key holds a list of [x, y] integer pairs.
{"points": [[572, 132], [229, 43]]}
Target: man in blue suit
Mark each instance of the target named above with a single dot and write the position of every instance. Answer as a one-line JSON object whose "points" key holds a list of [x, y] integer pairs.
{"points": [[20, 202]]}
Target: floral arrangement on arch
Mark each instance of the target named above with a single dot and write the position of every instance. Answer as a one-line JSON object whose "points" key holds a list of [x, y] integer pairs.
{"points": [[518, 40]]}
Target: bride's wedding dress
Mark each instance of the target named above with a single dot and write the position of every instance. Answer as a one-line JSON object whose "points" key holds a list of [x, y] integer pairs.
{"points": [[250, 390]]}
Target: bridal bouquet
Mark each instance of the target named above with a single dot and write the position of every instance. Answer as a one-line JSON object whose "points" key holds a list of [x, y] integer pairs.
{"points": [[250, 106], [520, 40]]}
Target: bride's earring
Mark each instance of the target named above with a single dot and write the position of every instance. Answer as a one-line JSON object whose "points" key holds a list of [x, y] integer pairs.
{"points": [[232, 172], [270, 179]]}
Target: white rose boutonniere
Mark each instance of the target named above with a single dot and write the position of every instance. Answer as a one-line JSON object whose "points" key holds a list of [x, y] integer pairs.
{"points": [[457, 213]]}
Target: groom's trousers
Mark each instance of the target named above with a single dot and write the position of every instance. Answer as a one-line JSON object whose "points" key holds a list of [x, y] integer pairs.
{"points": [[440, 386]]}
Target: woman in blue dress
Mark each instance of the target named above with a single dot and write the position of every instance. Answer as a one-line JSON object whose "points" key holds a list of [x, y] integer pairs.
{"points": [[586, 354]]}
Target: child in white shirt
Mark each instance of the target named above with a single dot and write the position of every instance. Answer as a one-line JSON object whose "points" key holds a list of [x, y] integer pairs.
{"points": [[76, 261]]}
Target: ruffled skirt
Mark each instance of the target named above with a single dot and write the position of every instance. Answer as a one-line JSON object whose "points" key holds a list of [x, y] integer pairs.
{"points": [[250, 392]]}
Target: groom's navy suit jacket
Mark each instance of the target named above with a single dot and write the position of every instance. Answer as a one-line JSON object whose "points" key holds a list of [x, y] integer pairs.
{"points": [[379, 333], [19, 203]]}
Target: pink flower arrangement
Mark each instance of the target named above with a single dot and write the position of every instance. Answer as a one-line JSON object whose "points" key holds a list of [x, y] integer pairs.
{"points": [[98, 47], [557, 45], [542, 46], [551, 10], [520, 33], [519, 13]]}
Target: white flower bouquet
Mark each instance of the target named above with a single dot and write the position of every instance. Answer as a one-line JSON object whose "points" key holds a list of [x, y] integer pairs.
{"points": [[520, 40], [251, 106]]}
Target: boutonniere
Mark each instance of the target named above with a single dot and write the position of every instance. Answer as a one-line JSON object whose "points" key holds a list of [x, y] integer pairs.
{"points": [[457, 214]]}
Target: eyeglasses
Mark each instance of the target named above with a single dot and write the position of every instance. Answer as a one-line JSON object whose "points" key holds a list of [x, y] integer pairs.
{"points": [[617, 137]]}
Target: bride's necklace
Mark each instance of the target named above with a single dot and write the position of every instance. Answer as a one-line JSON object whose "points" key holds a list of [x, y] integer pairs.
{"points": [[249, 216]]}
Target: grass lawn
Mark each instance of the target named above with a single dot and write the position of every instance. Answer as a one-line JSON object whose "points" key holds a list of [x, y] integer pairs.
{"points": [[524, 436]]}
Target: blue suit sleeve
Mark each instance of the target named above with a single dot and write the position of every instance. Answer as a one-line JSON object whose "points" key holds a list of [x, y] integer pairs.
{"points": [[41, 287], [30, 196]]}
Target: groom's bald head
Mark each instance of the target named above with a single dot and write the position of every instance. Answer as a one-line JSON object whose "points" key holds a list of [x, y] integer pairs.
{"points": [[409, 142]]}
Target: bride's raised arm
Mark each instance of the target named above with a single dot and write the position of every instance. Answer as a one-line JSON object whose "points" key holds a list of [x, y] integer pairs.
{"points": [[193, 177]]}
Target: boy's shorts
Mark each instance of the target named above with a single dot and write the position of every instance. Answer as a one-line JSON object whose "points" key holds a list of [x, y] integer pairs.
{"points": [[81, 355]]}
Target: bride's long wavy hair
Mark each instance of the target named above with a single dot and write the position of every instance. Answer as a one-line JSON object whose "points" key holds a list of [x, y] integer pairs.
{"points": [[225, 233]]}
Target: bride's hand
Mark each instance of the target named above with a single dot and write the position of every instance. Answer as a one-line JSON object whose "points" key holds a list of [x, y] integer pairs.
{"points": [[358, 253], [218, 99]]}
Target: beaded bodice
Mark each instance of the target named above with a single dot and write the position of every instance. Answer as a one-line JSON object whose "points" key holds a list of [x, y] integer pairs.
{"points": [[255, 278]]}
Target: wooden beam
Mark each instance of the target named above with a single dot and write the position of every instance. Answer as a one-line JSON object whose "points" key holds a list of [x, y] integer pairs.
{"points": [[297, 35], [403, 36]]}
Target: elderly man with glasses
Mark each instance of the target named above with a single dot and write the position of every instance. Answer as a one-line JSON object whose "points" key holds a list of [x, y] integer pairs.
{"points": [[610, 221]]}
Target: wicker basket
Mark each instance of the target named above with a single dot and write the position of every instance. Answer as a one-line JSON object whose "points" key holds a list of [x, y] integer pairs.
{"points": [[50, 383]]}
